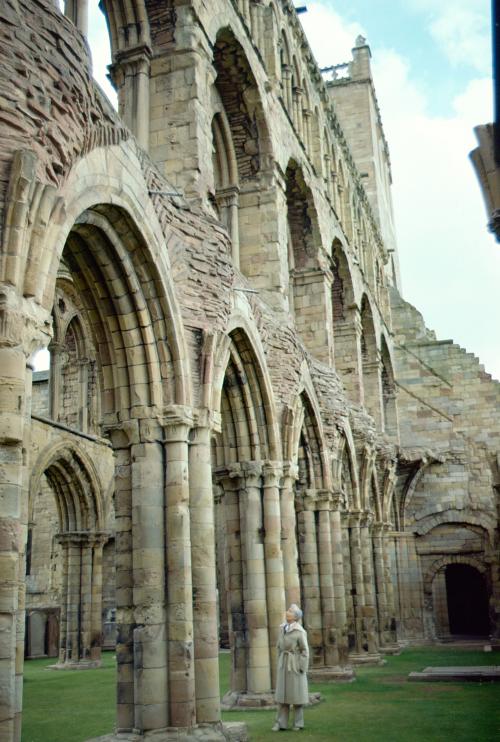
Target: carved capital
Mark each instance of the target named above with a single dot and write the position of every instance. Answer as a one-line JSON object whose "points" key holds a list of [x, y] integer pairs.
{"points": [[23, 323], [272, 472], [252, 472]]}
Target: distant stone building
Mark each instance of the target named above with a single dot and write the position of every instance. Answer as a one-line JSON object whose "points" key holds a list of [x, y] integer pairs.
{"points": [[241, 410]]}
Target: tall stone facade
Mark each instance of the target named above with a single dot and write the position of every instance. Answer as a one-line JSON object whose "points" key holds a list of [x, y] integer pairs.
{"points": [[241, 409]]}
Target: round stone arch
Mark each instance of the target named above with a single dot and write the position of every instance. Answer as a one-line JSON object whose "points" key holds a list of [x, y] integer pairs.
{"points": [[437, 569], [439, 564], [483, 521]]}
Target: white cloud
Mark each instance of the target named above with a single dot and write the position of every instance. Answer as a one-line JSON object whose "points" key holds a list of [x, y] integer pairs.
{"points": [[461, 29], [330, 37], [450, 265]]}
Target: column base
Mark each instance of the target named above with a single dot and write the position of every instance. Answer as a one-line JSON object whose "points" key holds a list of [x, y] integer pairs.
{"points": [[366, 658], [81, 665], [228, 731], [242, 700], [335, 674], [392, 648]]}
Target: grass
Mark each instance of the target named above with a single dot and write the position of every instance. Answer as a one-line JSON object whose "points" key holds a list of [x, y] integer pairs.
{"points": [[381, 706]]}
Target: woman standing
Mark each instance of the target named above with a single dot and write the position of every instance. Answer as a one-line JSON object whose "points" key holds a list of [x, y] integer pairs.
{"points": [[293, 661]]}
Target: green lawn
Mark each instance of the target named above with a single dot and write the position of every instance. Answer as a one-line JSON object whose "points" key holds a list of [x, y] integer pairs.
{"points": [[381, 706]]}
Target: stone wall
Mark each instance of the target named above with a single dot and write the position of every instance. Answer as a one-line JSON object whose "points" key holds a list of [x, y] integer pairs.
{"points": [[241, 413]]}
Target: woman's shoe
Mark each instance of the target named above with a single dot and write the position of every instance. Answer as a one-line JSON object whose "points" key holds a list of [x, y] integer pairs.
{"points": [[277, 728], [297, 729]]}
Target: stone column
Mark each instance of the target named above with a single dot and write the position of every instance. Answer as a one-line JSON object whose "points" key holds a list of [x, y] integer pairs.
{"points": [[309, 570], [229, 479], [370, 608], [55, 379], [338, 578], [493, 563], [86, 580], [326, 583], [227, 201], [307, 116], [206, 640], [181, 681], [297, 110], [380, 583], [122, 437], [286, 76], [372, 384], [63, 618], [389, 587], [256, 16], [130, 73], [149, 641], [73, 549], [275, 580], [347, 350], [288, 535], [96, 636], [357, 582], [78, 12], [254, 579]]}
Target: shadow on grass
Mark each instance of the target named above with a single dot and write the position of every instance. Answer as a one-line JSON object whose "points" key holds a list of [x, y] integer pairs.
{"points": [[381, 706]]}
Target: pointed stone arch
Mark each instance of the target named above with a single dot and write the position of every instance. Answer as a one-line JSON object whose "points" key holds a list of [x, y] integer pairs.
{"points": [[247, 478], [78, 495], [370, 358]]}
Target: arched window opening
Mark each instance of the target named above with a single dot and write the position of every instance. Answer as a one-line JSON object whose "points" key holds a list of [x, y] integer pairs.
{"points": [[307, 282], [389, 396], [226, 180], [286, 73], [240, 138], [372, 391], [345, 330]]}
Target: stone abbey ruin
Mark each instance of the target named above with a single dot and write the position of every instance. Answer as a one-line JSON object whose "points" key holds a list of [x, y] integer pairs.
{"points": [[241, 410]]}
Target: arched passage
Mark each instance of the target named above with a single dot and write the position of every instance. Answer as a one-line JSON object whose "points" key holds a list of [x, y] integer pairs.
{"points": [[467, 598], [456, 597], [123, 288], [246, 480], [64, 473]]}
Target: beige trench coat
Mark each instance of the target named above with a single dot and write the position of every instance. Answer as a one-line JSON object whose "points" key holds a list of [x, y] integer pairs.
{"points": [[293, 661]]}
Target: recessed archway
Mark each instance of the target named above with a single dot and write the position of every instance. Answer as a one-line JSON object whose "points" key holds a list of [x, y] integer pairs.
{"points": [[467, 599]]}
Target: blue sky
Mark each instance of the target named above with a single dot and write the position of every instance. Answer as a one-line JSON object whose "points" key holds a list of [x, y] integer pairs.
{"points": [[415, 28], [431, 61]]}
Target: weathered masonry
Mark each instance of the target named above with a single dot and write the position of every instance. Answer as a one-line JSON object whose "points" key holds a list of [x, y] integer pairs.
{"points": [[241, 411]]}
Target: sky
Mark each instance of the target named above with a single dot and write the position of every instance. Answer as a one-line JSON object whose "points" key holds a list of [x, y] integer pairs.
{"points": [[431, 62]]}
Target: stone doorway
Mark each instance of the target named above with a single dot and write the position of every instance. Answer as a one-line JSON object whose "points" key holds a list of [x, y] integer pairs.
{"points": [[467, 599]]}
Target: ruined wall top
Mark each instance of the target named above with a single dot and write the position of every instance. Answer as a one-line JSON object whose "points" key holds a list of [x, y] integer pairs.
{"points": [[50, 103]]}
